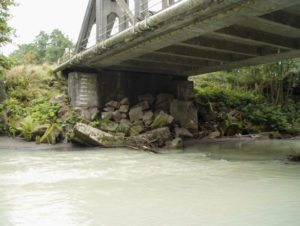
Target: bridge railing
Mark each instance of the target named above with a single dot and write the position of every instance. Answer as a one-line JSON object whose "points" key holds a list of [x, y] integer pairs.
{"points": [[146, 8]]}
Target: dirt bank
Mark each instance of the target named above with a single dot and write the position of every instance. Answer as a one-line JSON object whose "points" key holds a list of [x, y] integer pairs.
{"points": [[20, 144]]}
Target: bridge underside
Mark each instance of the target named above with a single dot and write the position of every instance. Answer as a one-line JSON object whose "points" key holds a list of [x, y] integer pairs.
{"points": [[206, 36]]}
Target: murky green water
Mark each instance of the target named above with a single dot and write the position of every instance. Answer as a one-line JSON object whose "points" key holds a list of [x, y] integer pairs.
{"points": [[234, 185]]}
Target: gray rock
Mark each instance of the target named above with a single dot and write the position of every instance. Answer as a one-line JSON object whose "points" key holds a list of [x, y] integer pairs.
{"points": [[148, 118], [90, 136], [89, 114], [182, 132], [124, 101], [59, 99], [162, 119], [157, 136], [63, 112], [144, 104], [114, 104], [109, 126], [125, 123], [107, 115], [136, 130], [117, 116], [147, 97], [138, 123], [175, 143], [185, 113], [163, 97], [163, 102], [124, 108], [136, 113], [214, 134], [124, 116], [109, 109]]}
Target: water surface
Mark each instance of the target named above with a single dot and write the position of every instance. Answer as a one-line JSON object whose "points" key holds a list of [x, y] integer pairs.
{"points": [[233, 184]]}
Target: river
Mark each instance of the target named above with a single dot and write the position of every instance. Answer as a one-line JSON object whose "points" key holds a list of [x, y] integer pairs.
{"points": [[236, 184]]}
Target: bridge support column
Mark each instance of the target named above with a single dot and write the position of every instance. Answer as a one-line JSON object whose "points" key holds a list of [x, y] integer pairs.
{"points": [[84, 93]]}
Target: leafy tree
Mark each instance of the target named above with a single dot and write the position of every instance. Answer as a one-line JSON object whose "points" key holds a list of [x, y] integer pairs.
{"points": [[5, 29], [27, 53], [5, 32], [46, 48], [57, 45], [40, 46]]}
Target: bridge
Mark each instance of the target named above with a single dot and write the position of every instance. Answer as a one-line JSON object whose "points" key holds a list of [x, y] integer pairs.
{"points": [[126, 47]]}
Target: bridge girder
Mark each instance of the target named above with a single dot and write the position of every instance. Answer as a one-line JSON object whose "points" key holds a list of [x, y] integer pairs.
{"points": [[197, 37]]}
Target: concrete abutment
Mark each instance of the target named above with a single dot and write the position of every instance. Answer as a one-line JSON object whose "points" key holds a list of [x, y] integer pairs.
{"points": [[90, 91]]}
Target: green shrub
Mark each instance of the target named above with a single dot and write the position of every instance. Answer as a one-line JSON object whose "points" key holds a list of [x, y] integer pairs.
{"points": [[252, 106], [27, 128]]}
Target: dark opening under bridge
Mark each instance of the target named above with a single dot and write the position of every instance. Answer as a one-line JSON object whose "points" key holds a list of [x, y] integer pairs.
{"points": [[175, 38]]}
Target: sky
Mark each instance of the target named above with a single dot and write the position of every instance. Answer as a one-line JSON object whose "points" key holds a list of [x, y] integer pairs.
{"points": [[32, 16]]}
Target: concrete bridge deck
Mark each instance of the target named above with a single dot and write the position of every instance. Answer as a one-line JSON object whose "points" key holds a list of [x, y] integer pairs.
{"points": [[198, 36]]}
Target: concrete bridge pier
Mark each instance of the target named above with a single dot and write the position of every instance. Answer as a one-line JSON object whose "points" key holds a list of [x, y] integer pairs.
{"points": [[90, 91]]}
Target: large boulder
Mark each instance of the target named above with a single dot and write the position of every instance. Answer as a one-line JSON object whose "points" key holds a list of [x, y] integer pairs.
{"points": [[125, 123], [113, 104], [144, 104], [63, 101], [59, 99], [109, 126], [183, 132], [107, 115], [147, 97], [162, 119], [175, 143], [185, 113], [117, 116], [124, 108], [136, 113], [148, 118], [136, 130], [89, 114], [90, 136], [109, 109], [124, 101], [163, 102], [156, 137]]}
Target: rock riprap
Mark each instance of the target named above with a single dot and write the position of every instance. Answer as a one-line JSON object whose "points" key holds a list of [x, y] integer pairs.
{"points": [[151, 122]]}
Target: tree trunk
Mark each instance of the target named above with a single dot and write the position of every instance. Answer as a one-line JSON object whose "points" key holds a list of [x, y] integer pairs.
{"points": [[2, 92]]}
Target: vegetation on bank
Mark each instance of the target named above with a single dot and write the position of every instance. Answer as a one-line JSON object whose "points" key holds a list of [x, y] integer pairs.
{"points": [[238, 102], [36, 100], [250, 100]]}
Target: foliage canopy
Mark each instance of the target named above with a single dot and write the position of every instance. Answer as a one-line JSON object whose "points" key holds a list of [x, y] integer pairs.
{"points": [[46, 48], [5, 33]]}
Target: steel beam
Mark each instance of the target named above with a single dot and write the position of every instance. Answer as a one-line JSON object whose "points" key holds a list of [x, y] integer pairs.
{"points": [[200, 54], [157, 57], [260, 37], [247, 62], [190, 19], [226, 46], [126, 9], [88, 21]]}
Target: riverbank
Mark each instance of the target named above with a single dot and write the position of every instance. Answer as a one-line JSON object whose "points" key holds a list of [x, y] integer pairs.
{"points": [[37, 109], [20, 143], [16, 143]]}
